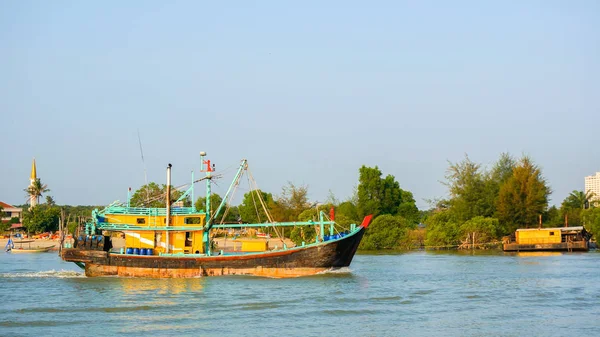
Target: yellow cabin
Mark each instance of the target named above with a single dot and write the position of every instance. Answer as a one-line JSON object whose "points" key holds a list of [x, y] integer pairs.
{"points": [[538, 235], [146, 230]]}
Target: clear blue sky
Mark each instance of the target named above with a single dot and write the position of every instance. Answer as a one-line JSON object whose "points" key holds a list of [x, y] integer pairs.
{"points": [[307, 91]]}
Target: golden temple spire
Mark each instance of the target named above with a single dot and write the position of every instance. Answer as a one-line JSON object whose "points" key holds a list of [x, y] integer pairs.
{"points": [[33, 173]]}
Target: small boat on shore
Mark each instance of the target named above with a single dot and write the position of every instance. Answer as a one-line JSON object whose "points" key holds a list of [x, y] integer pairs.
{"points": [[567, 239], [20, 249], [30, 250], [177, 241]]}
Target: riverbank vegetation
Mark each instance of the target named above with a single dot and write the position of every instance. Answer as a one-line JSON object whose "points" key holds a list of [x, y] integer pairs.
{"points": [[483, 205], [486, 204]]}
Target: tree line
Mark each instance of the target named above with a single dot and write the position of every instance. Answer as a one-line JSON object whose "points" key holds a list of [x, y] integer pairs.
{"points": [[483, 205], [486, 204]]}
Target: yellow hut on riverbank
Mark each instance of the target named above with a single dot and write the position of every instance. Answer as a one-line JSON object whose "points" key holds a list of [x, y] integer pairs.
{"points": [[548, 239]]}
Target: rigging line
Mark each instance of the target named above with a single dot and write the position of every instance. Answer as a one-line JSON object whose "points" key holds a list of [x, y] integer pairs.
{"points": [[226, 212], [178, 188], [229, 168], [265, 208], [143, 163], [253, 200], [231, 199], [262, 202], [236, 182]]}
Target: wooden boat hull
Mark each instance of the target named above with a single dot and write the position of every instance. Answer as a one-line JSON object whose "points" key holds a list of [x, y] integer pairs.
{"points": [[581, 246], [30, 251], [294, 262]]}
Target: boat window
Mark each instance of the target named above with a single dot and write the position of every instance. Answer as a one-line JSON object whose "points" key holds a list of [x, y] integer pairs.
{"points": [[551, 233], [194, 220], [188, 239], [141, 221]]}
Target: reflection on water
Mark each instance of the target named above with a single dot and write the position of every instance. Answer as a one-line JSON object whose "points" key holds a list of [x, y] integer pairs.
{"points": [[537, 254], [171, 286]]}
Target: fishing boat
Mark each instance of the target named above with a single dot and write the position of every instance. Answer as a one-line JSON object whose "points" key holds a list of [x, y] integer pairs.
{"points": [[30, 250], [178, 241], [20, 249]]}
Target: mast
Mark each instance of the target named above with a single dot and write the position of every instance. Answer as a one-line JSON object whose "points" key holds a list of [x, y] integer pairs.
{"points": [[209, 224], [235, 182], [205, 234], [168, 218], [192, 187]]}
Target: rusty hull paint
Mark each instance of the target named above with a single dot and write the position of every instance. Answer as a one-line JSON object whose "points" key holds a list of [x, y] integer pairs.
{"points": [[93, 270], [294, 262]]}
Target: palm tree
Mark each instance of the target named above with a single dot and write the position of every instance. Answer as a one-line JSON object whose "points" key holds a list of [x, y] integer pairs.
{"points": [[36, 189], [579, 199]]}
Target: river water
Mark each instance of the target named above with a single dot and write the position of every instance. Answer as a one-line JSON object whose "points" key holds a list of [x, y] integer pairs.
{"points": [[410, 294]]}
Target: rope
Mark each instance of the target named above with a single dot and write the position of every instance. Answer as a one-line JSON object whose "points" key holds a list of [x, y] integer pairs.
{"points": [[228, 203], [178, 188], [253, 200], [265, 208]]}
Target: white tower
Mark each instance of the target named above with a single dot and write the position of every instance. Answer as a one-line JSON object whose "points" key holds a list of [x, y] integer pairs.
{"points": [[32, 179]]}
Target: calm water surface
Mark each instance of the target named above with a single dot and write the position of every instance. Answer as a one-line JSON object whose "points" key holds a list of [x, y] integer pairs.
{"points": [[412, 294]]}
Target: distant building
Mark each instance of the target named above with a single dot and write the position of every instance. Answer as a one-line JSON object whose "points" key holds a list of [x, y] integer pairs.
{"points": [[10, 211], [592, 184]]}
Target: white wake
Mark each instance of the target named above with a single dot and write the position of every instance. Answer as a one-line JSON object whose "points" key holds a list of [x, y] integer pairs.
{"points": [[44, 274]]}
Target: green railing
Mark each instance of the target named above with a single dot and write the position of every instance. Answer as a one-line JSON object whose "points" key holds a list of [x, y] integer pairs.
{"points": [[131, 227], [151, 211]]}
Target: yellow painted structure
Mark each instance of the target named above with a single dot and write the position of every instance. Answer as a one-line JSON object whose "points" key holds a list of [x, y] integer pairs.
{"points": [[156, 221], [254, 246], [189, 241], [538, 236]]}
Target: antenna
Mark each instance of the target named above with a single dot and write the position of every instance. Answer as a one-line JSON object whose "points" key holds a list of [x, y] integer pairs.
{"points": [[144, 163]]}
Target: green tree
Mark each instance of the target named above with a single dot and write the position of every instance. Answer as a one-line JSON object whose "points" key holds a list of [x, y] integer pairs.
{"points": [[408, 207], [37, 189], [552, 217], [500, 173], [50, 201], [41, 218], [578, 199], [231, 215], [251, 210], [383, 196], [467, 187], [572, 207], [293, 200], [369, 191], [523, 197], [347, 209], [342, 223], [215, 201], [154, 196], [386, 232], [480, 230], [4, 226], [591, 219], [503, 169], [228, 214], [442, 229], [305, 234], [72, 227]]}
